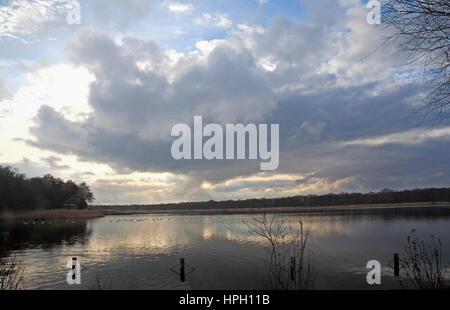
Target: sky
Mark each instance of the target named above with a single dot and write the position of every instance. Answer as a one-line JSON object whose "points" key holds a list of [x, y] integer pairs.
{"points": [[95, 101]]}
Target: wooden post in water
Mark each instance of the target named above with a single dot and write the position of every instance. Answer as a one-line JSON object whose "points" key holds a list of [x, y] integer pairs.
{"points": [[74, 265], [396, 265], [292, 268], [4, 236], [182, 274]]}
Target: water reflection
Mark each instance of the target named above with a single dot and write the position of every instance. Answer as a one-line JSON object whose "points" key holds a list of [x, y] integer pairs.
{"points": [[137, 251], [45, 234]]}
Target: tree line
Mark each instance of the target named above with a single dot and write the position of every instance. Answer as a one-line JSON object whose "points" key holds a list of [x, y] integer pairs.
{"points": [[20, 193], [385, 196]]}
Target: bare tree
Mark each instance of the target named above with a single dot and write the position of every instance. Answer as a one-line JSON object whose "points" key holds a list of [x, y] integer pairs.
{"points": [[421, 29], [288, 263]]}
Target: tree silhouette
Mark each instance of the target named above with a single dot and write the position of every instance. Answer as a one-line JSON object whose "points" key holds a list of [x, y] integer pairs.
{"points": [[48, 192], [421, 29]]}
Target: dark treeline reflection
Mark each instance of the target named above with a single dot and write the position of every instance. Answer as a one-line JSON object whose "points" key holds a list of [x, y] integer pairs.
{"points": [[45, 235]]}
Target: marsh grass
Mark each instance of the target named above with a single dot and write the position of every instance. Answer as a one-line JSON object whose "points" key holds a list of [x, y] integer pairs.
{"points": [[422, 264], [288, 264], [11, 273], [51, 214]]}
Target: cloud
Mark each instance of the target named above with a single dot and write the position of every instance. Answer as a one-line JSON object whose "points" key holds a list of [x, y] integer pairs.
{"points": [[62, 87], [53, 163], [117, 14], [178, 7], [134, 107], [29, 20], [202, 87], [21, 18], [309, 131], [411, 137], [216, 20], [5, 93], [58, 133], [320, 79]]}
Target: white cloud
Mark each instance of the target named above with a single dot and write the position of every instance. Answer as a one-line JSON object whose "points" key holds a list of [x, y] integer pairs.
{"points": [[4, 89], [204, 19], [223, 21], [206, 47], [178, 7], [275, 185], [250, 29], [60, 86], [216, 20], [24, 17], [410, 137]]}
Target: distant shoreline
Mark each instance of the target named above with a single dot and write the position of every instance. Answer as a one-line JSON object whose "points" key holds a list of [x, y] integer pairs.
{"points": [[270, 209], [104, 211]]}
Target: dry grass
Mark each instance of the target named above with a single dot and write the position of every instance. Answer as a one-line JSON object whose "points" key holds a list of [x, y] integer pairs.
{"points": [[11, 273]]}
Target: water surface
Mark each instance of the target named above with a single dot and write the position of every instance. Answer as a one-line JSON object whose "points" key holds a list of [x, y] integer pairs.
{"points": [[138, 251]]}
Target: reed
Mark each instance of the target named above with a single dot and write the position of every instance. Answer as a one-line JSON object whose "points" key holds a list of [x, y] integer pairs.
{"points": [[11, 273], [422, 264]]}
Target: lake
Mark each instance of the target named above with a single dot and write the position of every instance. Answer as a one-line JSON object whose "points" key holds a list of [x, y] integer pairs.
{"points": [[143, 251]]}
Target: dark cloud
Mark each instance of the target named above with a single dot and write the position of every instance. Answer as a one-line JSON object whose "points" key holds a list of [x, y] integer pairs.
{"points": [[54, 163]]}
